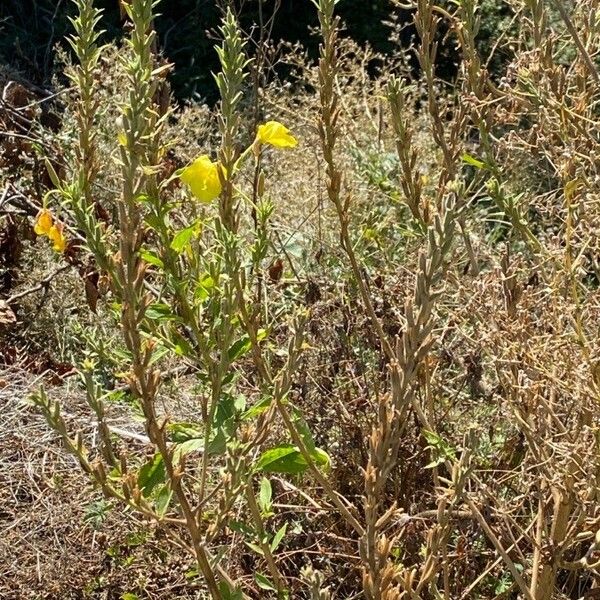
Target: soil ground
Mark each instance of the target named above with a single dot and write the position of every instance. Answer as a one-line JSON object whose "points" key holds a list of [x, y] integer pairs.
{"points": [[50, 547]]}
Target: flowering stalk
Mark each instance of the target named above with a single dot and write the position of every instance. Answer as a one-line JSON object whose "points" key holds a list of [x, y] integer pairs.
{"points": [[404, 355], [139, 120], [229, 82], [410, 179], [475, 86], [79, 194]]}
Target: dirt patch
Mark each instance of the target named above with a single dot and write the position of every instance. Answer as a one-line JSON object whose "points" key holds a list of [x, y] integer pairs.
{"points": [[58, 537]]}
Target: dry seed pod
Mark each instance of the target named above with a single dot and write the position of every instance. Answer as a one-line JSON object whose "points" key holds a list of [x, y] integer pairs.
{"points": [[276, 270]]}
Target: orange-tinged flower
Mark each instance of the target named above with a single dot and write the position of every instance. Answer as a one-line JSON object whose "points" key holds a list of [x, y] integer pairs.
{"points": [[56, 235], [43, 222], [276, 134], [202, 176]]}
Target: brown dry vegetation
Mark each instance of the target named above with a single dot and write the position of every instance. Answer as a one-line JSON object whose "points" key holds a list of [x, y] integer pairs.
{"points": [[430, 287]]}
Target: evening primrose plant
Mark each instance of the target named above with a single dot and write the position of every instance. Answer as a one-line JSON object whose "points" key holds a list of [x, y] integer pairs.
{"points": [[275, 134], [185, 269], [182, 280], [454, 379], [46, 225], [205, 178]]}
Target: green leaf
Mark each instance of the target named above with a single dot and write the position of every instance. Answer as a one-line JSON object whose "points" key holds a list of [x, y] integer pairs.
{"points": [[218, 443], [96, 513], [54, 178], [256, 548], [159, 353], [321, 458], [257, 409], [241, 527], [571, 188], [224, 424], [474, 162], [440, 449], [129, 596], [191, 445], [190, 436], [181, 345], [183, 238], [204, 288], [183, 431], [151, 259], [163, 499], [282, 459], [151, 474], [278, 537], [304, 431], [287, 458], [239, 348], [243, 345], [264, 582], [433, 439], [239, 404], [228, 593], [225, 410], [265, 494], [161, 312]]}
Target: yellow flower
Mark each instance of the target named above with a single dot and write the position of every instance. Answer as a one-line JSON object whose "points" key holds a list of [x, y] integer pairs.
{"points": [[43, 222], [276, 134], [202, 176], [59, 242]]}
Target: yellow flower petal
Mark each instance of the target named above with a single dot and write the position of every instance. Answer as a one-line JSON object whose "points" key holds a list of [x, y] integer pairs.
{"points": [[59, 242], [43, 222], [276, 134], [202, 177]]}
